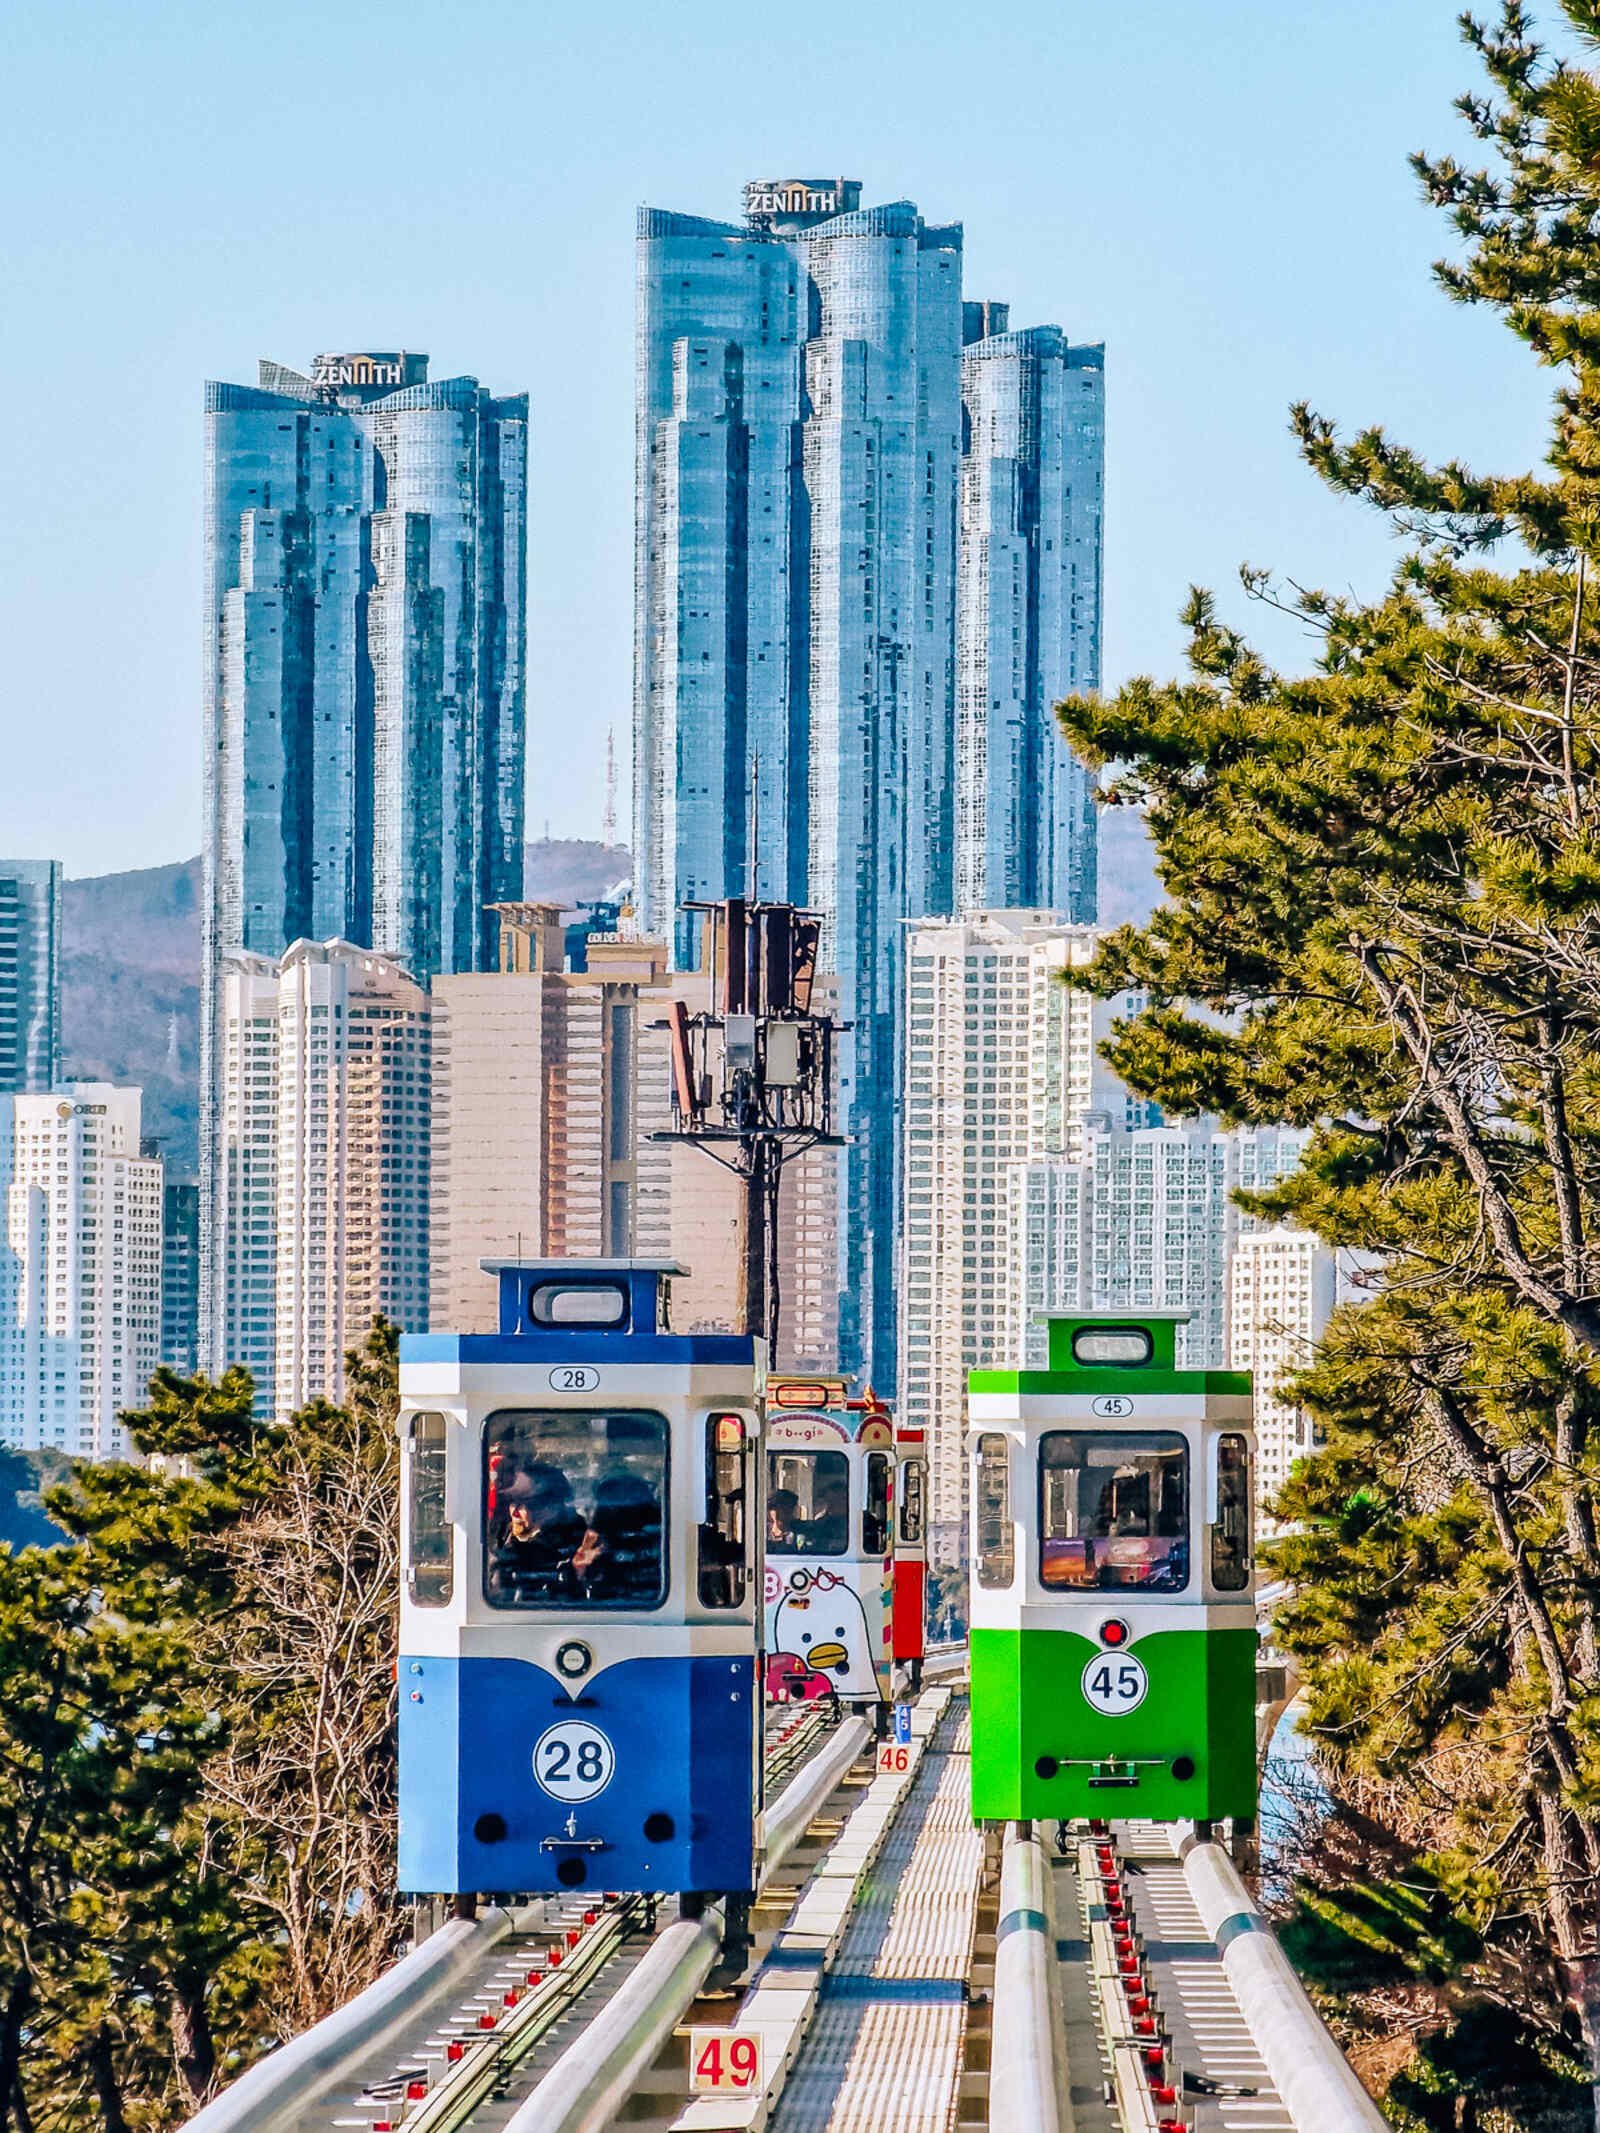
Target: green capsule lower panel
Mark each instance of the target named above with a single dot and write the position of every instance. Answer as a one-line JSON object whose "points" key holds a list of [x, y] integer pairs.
{"points": [[1168, 1737]]}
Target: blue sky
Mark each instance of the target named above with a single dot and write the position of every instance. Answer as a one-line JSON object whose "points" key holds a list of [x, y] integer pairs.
{"points": [[1219, 193]]}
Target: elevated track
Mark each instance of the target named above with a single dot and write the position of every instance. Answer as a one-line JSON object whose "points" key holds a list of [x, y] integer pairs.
{"points": [[911, 1974]]}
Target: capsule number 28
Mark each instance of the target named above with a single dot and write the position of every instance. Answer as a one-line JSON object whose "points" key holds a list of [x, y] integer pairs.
{"points": [[573, 1761], [574, 1377], [1115, 1683]]}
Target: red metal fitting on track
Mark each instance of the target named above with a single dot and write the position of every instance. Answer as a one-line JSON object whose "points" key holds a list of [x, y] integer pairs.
{"points": [[454, 2050], [486, 2021]]}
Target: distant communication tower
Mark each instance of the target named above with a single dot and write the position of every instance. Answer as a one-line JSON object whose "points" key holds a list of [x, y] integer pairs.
{"points": [[608, 821], [752, 1077]]}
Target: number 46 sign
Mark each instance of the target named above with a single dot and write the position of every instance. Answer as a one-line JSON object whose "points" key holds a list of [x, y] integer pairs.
{"points": [[725, 2062]]}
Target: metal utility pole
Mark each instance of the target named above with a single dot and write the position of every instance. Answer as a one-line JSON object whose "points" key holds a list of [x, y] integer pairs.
{"points": [[752, 1075]]}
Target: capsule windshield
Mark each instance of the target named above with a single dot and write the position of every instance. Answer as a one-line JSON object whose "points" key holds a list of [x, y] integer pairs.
{"points": [[574, 1504], [1114, 1511], [808, 1503]]}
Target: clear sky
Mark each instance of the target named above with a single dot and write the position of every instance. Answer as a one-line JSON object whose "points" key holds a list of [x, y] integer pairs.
{"points": [[1219, 193]]}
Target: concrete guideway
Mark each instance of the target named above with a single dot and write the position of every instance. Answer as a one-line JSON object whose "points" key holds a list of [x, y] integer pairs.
{"points": [[1201, 2025], [1136, 1986], [861, 2001], [439, 2040]]}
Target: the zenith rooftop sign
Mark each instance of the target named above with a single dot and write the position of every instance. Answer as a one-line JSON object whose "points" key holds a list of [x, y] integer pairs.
{"points": [[388, 369], [770, 199]]}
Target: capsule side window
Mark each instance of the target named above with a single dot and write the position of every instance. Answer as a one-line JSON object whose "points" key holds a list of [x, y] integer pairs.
{"points": [[1230, 1527], [430, 1538], [723, 1565], [996, 1542], [912, 1498], [875, 1505], [1113, 1510], [574, 1503]]}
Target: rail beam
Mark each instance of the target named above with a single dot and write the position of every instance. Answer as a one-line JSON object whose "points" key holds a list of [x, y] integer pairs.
{"points": [[1310, 2071], [271, 2094], [1028, 2083]]}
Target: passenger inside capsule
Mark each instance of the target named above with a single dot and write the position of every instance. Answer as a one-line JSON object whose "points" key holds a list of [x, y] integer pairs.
{"points": [[573, 1509]]}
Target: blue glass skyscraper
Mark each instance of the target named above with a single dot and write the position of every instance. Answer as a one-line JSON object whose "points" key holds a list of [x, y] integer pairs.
{"points": [[1029, 614], [365, 561], [800, 478], [798, 442], [30, 975]]}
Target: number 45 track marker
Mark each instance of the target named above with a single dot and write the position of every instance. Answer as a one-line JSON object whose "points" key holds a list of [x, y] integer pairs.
{"points": [[725, 2062]]}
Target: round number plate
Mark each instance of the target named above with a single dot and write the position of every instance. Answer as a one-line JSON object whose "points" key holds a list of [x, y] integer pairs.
{"points": [[1115, 1682], [573, 1761], [575, 1377], [1112, 1405]]}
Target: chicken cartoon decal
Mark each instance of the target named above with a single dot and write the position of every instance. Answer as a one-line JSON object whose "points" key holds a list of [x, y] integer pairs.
{"points": [[828, 1588]]}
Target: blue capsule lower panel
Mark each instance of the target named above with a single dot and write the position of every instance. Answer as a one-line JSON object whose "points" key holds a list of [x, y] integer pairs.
{"points": [[643, 1778]]}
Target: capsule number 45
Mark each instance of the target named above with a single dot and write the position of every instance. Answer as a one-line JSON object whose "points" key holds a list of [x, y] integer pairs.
{"points": [[723, 2061], [1114, 1684]]}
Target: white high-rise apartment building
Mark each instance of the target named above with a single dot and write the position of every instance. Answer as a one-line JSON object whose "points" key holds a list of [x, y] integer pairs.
{"points": [[1144, 1218], [352, 1160], [1002, 1065], [320, 1188], [1281, 1290], [80, 1268], [240, 1297]]}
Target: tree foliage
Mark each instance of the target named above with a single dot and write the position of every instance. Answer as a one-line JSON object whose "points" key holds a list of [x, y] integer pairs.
{"points": [[196, 1751], [1384, 923]]}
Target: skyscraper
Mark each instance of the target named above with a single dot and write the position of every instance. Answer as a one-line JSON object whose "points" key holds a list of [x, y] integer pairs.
{"points": [[180, 1273], [80, 1268], [351, 1161], [1032, 476], [1001, 1068], [364, 685], [799, 435], [30, 982], [1280, 1294]]}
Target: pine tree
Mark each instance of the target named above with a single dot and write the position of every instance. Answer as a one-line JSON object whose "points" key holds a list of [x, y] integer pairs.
{"points": [[197, 1750], [1384, 883]]}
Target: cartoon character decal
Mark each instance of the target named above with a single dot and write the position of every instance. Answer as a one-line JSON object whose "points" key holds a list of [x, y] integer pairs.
{"points": [[816, 1622]]}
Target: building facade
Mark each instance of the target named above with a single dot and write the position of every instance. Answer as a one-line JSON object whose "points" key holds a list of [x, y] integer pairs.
{"points": [[1028, 621], [239, 1241], [1002, 1067], [352, 1160], [1281, 1293], [321, 1209], [180, 1274], [30, 974], [551, 1088], [365, 558], [80, 1268], [1144, 1219]]}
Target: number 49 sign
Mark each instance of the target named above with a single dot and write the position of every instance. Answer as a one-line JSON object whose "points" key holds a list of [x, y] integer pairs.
{"points": [[725, 2062]]}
